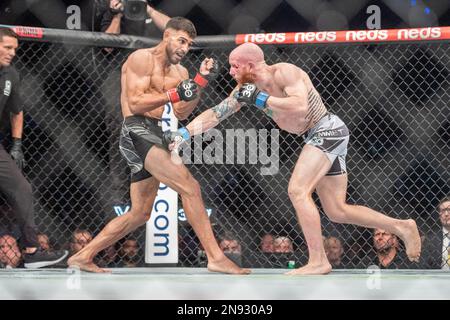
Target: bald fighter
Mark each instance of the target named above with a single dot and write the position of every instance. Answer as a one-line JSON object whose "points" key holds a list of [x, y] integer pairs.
{"points": [[151, 79], [285, 93]]}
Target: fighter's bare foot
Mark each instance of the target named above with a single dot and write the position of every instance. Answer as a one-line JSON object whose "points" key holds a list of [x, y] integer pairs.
{"points": [[225, 265], [311, 269], [410, 236], [84, 265]]}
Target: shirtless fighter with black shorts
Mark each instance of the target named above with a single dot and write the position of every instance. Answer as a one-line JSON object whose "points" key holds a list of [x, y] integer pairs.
{"points": [[152, 78]]}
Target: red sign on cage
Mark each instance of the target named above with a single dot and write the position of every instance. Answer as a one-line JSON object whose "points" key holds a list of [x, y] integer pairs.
{"points": [[348, 36], [29, 32]]}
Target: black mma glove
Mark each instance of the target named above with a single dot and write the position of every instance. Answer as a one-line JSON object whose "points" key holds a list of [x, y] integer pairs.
{"points": [[250, 94], [177, 137], [16, 152], [186, 90]]}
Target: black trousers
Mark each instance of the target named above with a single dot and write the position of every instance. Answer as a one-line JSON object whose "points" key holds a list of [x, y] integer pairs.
{"points": [[117, 165], [17, 192]]}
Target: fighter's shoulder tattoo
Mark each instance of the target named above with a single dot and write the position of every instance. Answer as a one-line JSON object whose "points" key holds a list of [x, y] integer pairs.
{"points": [[226, 108]]}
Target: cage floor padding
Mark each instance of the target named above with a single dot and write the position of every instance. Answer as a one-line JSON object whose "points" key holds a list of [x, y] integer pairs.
{"points": [[189, 283]]}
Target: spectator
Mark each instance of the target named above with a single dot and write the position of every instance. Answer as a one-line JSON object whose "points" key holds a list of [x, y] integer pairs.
{"points": [[230, 245], [115, 22], [334, 250], [129, 254], [10, 255], [266, 244], [44, 241], [278, 253], [231, 248], [13, 185], [108, 257], [387, 253], [80, 238], [437, 245], [387, 247], [283, 245]]}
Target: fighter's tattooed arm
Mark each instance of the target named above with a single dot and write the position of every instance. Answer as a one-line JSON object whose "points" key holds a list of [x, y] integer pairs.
{"points": [[226, 108], [213, 116]]}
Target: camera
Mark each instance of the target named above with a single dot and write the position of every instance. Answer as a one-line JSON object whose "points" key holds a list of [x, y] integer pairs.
{"points": [[134, 9]]}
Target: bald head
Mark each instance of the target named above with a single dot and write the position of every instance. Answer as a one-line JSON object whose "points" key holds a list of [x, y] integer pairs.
{"points": [[282, 245], [248, 52], [245, 62]]}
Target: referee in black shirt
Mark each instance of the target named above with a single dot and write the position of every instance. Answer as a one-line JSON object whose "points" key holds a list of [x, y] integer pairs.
{"points": [[13, 185]]}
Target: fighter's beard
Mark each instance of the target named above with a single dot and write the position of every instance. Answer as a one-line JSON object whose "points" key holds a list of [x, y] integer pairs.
{"points": [[247, 78]]}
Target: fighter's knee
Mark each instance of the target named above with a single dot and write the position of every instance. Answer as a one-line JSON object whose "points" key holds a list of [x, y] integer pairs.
{"points": [[298, 193], [141, 215], [143, 218], [336, 214], [145, 215]]}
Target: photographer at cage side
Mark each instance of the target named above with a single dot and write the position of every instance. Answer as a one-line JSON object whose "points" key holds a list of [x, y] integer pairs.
{"points": [[133, 17]]}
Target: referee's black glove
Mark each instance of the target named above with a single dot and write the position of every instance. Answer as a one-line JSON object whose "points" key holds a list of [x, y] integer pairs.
{"points": [[16, 152]]}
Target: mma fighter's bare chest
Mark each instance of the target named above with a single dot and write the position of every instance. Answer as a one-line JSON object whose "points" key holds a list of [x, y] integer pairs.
{"points": [[162, 80]]}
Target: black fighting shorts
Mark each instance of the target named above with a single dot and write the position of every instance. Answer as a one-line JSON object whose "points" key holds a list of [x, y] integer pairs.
{"points": [[137, 136]]}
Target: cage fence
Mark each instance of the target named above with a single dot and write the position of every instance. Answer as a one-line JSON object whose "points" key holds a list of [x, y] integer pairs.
{"points": [[393, 97]]}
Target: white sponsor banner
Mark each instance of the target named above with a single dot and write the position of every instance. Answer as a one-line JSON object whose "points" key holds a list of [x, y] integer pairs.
{"points": [[161, 239]]}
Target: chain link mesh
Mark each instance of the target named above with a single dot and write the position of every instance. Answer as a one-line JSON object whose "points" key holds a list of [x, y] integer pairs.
{"points": [[393, 97]]}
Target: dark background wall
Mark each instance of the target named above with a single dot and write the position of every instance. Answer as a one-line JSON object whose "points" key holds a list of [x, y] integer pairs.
{"points": [[235, 16]]}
